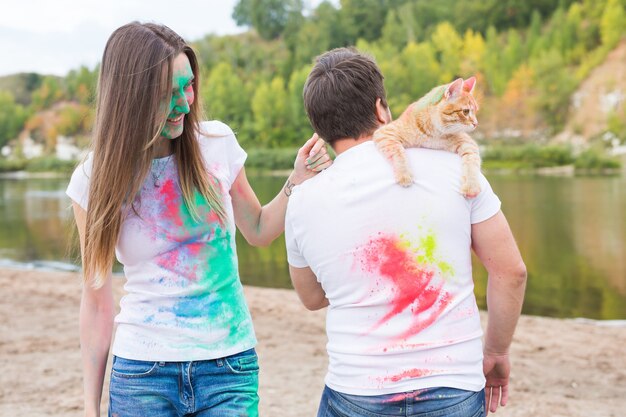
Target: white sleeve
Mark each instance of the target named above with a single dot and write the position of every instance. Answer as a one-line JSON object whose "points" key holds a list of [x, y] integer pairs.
{"points": [[221, 151], [294, 256], [486, 204], [78, 188], [236, 157]]}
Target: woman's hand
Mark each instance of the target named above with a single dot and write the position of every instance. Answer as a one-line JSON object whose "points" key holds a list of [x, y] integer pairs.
{"points": [[311, 159]]}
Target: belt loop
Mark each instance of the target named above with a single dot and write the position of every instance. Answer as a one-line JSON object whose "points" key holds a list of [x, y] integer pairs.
{"points": [[219, 362]]}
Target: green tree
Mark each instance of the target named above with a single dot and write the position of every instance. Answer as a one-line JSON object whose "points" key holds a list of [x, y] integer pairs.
{"points": [[449, 46], [493, 63], [612, 23], [473, 53], [299, 120], [12, 118], [224, 96], [81, 85], [512, 55], [361, 19], [271, 114], [393, 34], [319, 33], [533, 37], [574, 26], [555, 84], [47, 94], [268, 17], [73, 119], [400, 27]]}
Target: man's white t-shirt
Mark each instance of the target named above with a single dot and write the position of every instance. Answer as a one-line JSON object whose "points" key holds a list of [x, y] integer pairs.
{"points": [[184, 299], [395, 264]]}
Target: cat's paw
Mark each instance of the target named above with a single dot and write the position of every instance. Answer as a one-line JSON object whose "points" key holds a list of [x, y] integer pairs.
{"points": [[470, 188], [404, 179]]}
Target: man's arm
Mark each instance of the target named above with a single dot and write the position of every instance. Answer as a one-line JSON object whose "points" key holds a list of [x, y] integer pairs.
{"points": [[495, 246], [308, 289]]}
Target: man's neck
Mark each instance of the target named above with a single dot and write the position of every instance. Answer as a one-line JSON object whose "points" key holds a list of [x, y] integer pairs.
{"points": [[343, 144]]}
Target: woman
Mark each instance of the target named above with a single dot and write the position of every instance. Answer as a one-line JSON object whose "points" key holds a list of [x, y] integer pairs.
{"points": [[163, 192]]}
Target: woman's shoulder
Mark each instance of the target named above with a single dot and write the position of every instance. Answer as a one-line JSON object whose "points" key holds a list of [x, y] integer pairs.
{"points": [[84, 167], [219, 145], [211, 129]]}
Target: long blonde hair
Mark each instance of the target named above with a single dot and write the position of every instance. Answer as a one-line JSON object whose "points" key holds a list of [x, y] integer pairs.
{"points": [[134, 82]]}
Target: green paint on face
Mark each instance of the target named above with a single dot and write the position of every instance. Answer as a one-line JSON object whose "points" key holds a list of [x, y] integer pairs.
{"points": [[182, 97]]}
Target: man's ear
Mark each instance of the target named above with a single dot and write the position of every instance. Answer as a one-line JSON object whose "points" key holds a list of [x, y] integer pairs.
{"points": [[382, 112]]}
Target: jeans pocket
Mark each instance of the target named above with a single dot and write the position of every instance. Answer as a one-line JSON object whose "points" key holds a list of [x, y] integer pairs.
{"points": [[346, 406], [472, 406], [129, 368], [244, 362]]}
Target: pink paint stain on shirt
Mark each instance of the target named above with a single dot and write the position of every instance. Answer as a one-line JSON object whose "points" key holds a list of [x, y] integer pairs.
{"points": [[413, 283], [416, 346], [171, 198], [411, 373], [180, 261]]}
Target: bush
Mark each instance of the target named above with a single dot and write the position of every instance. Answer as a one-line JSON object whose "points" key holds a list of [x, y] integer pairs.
{"points": [[10, 165], [528, 156], [592, 159], [50, 164], [516, 158], [271, 158]]}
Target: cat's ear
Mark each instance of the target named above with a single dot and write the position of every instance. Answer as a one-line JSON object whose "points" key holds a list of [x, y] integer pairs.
{"points": [[454, 89], [468, 85]]}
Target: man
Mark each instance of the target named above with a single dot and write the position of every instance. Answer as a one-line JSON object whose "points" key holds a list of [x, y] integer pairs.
{"points": [[394, 264]]}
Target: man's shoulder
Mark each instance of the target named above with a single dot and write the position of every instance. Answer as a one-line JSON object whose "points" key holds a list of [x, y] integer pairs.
{"points": [[435, 154], [309, 191], [433, 163]]}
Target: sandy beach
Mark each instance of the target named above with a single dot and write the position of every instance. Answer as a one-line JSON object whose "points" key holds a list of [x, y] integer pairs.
{"points": [[560, 367]]}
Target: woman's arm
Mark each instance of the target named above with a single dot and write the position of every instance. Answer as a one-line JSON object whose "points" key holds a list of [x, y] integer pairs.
{"points": [[96, 327], [260, 225]]}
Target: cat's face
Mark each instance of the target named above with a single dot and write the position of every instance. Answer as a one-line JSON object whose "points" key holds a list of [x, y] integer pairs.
{"points": [[457, 110]]}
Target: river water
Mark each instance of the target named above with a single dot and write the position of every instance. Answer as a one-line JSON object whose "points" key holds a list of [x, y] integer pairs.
{"points": [[571, 232]]}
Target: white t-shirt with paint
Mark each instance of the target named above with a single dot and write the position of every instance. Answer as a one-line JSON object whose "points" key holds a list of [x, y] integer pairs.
{"points": [[184, 299], [395, 264]]}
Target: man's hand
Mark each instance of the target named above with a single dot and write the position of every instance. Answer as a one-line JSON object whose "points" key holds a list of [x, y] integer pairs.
{"points": [[496, 368]]}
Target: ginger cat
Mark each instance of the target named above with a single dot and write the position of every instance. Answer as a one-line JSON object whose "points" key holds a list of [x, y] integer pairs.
{"points": [[439, 120]]}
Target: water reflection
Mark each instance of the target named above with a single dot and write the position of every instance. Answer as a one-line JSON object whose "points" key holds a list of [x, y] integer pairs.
{"points": [[571, 231]]}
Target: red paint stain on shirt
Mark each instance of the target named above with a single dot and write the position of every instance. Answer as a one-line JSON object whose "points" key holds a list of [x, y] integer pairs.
{"points": [[411, 373], [414, 285], [180, 261], [172, 202]]}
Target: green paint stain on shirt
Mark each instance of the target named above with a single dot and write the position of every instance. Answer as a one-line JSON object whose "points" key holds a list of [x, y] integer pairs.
{"points": [[426, 254], [218, 302]]}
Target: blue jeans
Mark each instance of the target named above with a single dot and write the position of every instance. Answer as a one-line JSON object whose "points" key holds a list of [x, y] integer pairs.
{"points": [[225, 387], [430, 402]]}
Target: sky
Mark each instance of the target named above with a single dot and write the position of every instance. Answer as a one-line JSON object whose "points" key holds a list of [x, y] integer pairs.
{"points": [[56, 36]]}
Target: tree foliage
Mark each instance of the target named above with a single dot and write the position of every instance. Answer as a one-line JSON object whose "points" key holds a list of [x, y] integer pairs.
{"points": [[12, 118], [528, 55]]}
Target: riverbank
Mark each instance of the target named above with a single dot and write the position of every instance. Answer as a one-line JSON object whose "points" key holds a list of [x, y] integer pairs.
{"points": [[560, 367]]}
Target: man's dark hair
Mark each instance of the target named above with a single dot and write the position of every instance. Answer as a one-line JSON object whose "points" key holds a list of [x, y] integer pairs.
{"points": [[340, 94]]}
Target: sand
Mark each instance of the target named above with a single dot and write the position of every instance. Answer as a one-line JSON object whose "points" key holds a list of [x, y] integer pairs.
{"points": [[560, 367]]}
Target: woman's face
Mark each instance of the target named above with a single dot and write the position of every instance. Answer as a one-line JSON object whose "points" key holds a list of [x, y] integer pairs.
{"points": [[182, 97]]}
